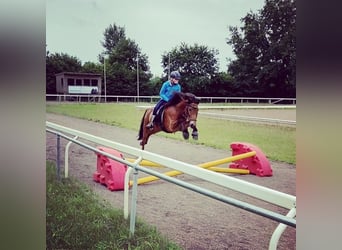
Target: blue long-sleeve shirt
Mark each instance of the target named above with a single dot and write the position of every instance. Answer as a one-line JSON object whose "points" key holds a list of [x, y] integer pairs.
{"points": [[167, 90]]}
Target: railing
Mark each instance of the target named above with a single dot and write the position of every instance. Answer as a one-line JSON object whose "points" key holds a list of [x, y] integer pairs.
{"points": [[269, 195], [153, 99]]}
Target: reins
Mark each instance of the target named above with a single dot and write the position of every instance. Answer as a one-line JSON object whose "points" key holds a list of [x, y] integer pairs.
{"points": [[187, 112]]}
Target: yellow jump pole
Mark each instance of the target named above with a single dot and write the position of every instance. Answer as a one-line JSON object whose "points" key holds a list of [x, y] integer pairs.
{"points": [[146, 163], [230, 170], [203, 165]]}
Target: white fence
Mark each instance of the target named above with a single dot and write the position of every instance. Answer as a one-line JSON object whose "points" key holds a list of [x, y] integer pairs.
{"points": [[272, 196], [153, 99]]}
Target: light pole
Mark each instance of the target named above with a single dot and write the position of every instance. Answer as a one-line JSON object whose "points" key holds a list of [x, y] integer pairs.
{"points": [[137, 78], [169, 68], [105, 80]]}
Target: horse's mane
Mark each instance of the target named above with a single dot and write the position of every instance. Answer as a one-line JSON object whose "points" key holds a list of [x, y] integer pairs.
{"points": [[179, 96], [176, 98]]}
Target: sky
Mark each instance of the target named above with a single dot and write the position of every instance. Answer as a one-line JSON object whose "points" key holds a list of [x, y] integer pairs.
{"points": [[76, 27]]}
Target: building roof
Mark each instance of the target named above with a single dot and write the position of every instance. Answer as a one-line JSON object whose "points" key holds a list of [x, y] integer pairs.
{"points": [[78, 74]]}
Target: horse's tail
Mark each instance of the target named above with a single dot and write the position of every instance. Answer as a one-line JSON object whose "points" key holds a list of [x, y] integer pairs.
{"points": [[141, 131]]}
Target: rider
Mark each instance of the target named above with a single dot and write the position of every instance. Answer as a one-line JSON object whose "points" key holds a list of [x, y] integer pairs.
{"points": [[166, 93]]}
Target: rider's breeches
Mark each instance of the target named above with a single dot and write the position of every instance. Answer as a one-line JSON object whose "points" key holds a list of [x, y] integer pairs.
{"points": [[159, 104]]}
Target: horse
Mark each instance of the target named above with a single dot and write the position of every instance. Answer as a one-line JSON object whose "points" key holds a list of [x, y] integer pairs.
{"points": [[179, 113]]}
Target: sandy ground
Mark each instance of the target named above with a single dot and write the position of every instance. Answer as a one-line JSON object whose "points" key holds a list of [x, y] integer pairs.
{"points": [[190, 219]]}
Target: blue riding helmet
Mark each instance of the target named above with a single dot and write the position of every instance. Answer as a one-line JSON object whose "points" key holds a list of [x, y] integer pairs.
{"points": [[176, 75]]}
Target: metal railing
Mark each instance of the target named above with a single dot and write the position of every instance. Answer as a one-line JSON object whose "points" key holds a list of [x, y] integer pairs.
{"points": [[269, 195], [153, 99]]}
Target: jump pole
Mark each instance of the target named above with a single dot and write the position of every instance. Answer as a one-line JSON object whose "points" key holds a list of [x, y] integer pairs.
{"points": [[230, 170], [146, 163], [215, 169], [203, 165]]}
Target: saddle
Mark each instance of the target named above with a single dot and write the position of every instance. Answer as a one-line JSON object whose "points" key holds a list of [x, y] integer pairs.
{"points": [[160, 117]]}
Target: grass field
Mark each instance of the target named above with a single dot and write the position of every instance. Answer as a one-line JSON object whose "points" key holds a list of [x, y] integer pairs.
{"points": [[78, 219], [277, 142]]}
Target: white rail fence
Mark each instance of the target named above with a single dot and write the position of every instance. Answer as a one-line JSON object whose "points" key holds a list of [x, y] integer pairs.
{"points": [[241, 117], [153, 99], [266, 194]]}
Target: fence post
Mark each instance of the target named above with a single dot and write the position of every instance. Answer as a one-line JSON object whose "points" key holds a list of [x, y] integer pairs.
{"points": [[58, 157], [134, 202], [66, 157]]}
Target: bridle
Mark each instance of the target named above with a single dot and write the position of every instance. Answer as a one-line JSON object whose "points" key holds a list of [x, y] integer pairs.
{"points": [[187, 112]]}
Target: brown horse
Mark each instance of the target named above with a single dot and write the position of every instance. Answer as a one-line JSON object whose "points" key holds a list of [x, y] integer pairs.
{"points": [[177, 115]]}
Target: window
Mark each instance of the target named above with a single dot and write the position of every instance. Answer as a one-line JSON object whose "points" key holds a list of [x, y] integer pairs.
{"points": [[71, 81], [93, 82], [86, 82], [78, 81]]}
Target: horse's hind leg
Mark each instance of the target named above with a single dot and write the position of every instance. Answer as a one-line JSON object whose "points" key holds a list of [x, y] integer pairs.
{"points": [[142, 145], [144, 140]]}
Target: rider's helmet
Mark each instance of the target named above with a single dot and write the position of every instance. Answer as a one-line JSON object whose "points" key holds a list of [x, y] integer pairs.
{"points": [[176, 75]]}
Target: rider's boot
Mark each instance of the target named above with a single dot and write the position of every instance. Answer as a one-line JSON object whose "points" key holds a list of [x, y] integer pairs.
{"points": [[150, 124]]}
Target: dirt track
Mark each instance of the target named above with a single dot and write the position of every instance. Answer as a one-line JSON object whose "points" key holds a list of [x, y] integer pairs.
{"points": [[192, 220]]}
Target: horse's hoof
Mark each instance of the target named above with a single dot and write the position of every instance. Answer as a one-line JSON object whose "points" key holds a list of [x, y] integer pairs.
{"points": [[195, 135], [185, 135]]}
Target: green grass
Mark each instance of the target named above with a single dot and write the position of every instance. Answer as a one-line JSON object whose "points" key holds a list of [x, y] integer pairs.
{"points": [[277, 142], [121, 115], [76, 218]]}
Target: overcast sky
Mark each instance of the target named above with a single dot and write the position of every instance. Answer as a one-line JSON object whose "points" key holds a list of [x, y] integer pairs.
{"points": [[76, 27]]}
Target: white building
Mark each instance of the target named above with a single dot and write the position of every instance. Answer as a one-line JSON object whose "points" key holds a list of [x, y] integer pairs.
{"points": [[78, 83]]}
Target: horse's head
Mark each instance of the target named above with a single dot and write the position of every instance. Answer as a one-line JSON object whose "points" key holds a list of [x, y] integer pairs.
{"points": [[191, 98], [191, 110], [188, 106]]}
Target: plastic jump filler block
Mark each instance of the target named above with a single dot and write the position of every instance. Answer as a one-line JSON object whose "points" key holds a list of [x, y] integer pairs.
{"points": [[109, 172], [258, 164]]}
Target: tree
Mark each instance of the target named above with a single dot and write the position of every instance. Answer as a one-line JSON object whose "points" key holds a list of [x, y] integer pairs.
{"points": [[125, 61], [112, 36], [153, 86], [197, 65], [91, 67], [266, 51], [221, 85], [57, 63]]}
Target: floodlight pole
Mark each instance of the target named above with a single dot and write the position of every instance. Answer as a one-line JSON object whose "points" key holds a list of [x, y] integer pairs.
{"points": [[137, 78], [169, 68], [104, 74]]}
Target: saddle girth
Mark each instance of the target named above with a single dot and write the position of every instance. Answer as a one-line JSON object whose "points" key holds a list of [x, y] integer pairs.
{"points": [[160, 117]]}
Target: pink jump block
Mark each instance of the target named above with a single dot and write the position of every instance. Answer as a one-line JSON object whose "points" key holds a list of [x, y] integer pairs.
{"points": [[110, 172], [257, 164]]}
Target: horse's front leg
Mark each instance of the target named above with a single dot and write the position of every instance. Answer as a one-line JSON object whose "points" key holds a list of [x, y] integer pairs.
{"points": [[194, 133], [183, 126], [185, 134]]}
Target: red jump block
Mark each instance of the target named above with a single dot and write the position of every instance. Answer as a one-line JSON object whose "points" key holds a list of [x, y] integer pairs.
{"points": [[110, 172], [258, 164]]}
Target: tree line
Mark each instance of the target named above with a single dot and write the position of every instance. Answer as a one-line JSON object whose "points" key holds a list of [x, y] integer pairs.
{"points": [[265, 64]]}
